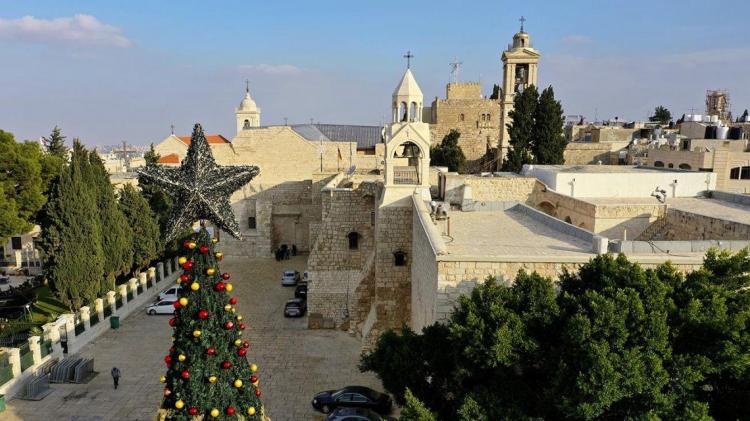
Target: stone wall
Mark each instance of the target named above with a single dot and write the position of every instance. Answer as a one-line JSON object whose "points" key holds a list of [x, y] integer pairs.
{"points": [[679, 225], [428, 245], [485, 189], [589, 153]]}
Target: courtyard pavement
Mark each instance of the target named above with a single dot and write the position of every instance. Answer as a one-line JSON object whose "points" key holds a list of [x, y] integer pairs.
{"points": [[294, 362]]}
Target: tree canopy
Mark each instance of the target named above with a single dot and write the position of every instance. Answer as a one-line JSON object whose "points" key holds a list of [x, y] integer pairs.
{"points": [[56, 144], [611, 341], [521, 130], [549, 141], [146, 236], [449, 153], [661, 115]]}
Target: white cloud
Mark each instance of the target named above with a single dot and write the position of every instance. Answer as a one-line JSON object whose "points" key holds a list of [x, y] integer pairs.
{"points": [[577, 40], [77, 30], [272, 69]]}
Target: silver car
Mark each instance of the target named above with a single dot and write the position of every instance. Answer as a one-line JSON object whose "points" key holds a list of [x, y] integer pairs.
{"points": [[290, 278]]}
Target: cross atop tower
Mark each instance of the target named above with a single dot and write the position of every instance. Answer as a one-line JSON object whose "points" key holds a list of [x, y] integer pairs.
{"points": [[247, 85], [408, 56], [455, 69], [522, 20], [172, 126]]}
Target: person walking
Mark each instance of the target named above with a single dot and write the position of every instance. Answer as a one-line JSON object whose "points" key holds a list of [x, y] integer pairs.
{"points": [[116, 375]]}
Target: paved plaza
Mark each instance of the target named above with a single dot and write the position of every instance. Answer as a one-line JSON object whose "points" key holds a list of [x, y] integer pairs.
{"points": [[294, 362]]}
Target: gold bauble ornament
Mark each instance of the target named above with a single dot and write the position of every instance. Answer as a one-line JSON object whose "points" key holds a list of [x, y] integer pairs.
{"points": [[195, 286], [256, 383], [238, 383], [229, 287], [215, 413], [192, 245], [218, 255], [181, 357], [237, 342], [253, 368], [251, 410], [212, 379], [162, 379], [210, 271], [227, 307], [179, 404], [182, 260], [183, 301], [232, 310], [214, 240], [178, 281], [197, 333], [239, 317]]}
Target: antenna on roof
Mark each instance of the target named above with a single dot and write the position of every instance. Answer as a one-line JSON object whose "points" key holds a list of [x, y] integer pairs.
{"points": [[455, 70]]}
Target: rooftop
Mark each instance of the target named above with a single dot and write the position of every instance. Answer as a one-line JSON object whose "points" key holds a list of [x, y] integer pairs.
{"points": [[211, 138], [366, 137], [609, 169], [728, 211]]}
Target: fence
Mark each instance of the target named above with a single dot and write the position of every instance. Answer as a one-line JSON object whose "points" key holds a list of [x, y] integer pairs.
{"points": [[118, 301], [46, 348], [80, 328], [27, 357], [107, 310], [94, 319], [6, 371]]}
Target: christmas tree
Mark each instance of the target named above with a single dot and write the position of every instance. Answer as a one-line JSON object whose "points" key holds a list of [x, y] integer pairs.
{"points": [[208, 375]]}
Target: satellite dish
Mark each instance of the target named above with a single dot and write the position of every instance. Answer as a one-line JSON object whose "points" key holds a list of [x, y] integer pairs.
{"points": [[351, 170]]}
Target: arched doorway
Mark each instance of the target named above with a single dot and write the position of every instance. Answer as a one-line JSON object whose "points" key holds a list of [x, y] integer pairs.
{"points": [[548, 208]]}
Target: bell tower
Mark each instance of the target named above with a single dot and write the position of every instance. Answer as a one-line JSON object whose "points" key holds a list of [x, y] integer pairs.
{"points": [[248, 113], [520, 63]]}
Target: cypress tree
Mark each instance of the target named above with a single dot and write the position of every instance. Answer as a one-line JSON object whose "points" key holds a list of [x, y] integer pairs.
{"points": [[56, 143], [521, 130], [549, 140], [146, 236], [71, 234], [159, 201], [117, 238]]}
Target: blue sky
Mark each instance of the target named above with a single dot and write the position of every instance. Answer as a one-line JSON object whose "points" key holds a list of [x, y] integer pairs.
{"points": [[112, 71]]}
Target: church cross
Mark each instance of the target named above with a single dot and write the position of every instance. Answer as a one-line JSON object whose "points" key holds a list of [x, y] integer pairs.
{"points": [[247, 85], [408, 56], [522, 20]]}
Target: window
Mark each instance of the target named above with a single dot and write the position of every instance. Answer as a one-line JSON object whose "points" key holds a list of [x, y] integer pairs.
{"points": [[671, 165], [658, 164], [372, 218], [685, 167], [353, 241], [246, 125], [251, 223], [461, 117], [734, 173], [356, 397], [740, 173], [489, 117], [16, 243], [399, 258]]}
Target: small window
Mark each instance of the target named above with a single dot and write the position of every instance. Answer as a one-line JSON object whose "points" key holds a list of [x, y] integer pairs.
{"points": [[353, 241], [658, 164], [671, 165], [734, 173], [251, 224], [246, 125], [461, 117], [745, 173], [16, 243], [685, 167], [489, 117], [372, 218], [399, 258]]}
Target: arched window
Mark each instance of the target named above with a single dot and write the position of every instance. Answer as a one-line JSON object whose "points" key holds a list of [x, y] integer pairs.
{"points": [[671, 165], [461, 117], [658, 164], [685, 167], [353, 240], [399, 258], [568, 220], [402, 111], [246, 125], [489, 117], [413, 112], [482, 117]]}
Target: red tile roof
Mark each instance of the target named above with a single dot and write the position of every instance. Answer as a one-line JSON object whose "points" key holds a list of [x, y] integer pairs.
{"points": [[170, 159], [211, 138]]}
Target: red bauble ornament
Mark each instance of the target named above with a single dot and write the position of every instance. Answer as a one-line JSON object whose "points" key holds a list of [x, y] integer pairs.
{"points": [[257, 392], [233, 300], [246, 344], [211, 351], [203, 314], [230, 411], [177, 305], [219, 286], [184, 277], [225, 276], [228, 325], [168, 359], [203, 249], [185, 374], [242, 352], [186, 244], [253, 378], [193, 410], [242, 326], [226, 365], [173, 322], [188, 265]]}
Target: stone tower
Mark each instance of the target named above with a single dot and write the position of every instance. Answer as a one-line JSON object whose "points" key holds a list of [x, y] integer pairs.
{"points": [[248, 114], [520, 63]]}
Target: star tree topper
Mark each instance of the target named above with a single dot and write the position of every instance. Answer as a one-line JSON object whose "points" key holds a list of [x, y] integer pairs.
{"points": [[200, 188]]}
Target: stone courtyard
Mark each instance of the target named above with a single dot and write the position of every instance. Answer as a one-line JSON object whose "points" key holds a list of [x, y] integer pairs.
{"points": [[294, 362]]}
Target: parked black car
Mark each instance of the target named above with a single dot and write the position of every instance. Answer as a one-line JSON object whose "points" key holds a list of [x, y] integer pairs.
{"points": [[353, 414], [295, 307], [352, 396], [301, 290]]}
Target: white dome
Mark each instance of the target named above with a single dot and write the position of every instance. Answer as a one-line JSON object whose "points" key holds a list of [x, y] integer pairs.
{"points": [[247, 103]]}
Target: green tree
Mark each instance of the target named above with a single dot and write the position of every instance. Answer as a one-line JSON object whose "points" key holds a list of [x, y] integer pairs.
{"points": [[521, 130], [213, 373], [159, 201], [21, 182], [495, 91], [56, 144], [661, 115], [117, 238], [449, 153], [414, 410], [549, 140], [146, 236], [151, 157], [71, 234]]}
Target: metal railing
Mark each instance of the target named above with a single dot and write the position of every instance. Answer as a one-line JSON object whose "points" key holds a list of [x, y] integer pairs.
{"points": [[94, 319], [27, 357], [118, 301], [130, 295], [80, 328], [107, 311], [6, 373], [46, 348]]}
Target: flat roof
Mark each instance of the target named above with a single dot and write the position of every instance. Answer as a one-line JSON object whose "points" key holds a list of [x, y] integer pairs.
{"points": [[728, 211], [611, 169], [510, 233]]}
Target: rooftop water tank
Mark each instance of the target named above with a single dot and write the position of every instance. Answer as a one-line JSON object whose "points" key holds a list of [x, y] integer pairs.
{"points": [[721, 132], [714, 119]]}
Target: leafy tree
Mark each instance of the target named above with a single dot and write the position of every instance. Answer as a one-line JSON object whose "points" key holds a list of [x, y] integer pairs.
{"points": [[146, 236], [71, 234], [615, 342], [151, 157], [495, 91], [117, 238], [449, 153], [521, 130], [415, 410], [21, 183], [56, 144], [549, 140], [661, 115]]}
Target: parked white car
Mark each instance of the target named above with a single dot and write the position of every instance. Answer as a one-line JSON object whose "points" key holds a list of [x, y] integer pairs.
{"points": [[290, 278], [161, 307], [170, 294]]}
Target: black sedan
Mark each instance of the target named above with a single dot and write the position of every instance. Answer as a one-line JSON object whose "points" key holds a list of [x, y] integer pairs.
{"points": [[353, 414], [354, 397], [301, 290], [295, 308]]}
